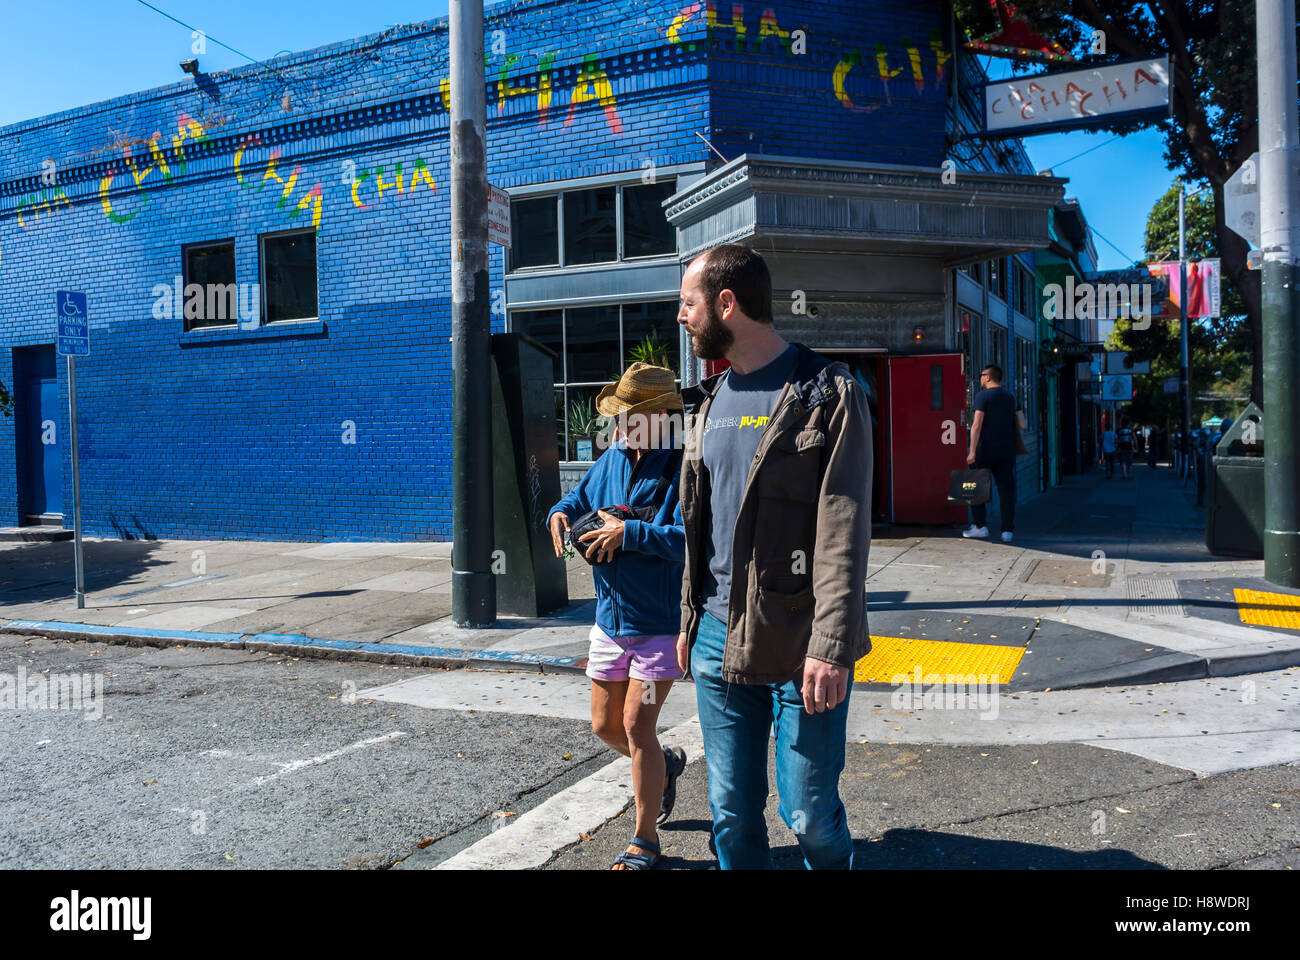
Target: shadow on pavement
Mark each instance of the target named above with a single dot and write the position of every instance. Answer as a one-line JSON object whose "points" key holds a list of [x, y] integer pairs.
{"points": [[31, 572]]}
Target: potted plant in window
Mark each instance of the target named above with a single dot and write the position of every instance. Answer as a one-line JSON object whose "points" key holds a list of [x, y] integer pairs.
{"points": [[584, 424], [652, 350]]}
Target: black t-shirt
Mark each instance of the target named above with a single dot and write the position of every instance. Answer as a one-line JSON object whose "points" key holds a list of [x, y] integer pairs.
{"points": [[998, 432]]}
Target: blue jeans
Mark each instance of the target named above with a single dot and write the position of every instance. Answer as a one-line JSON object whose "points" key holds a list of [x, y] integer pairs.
{"points": [[736, 720]]}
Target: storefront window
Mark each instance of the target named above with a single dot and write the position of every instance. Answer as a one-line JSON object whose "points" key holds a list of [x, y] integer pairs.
{"points": [[998, 350], [1025, 389], [594, 345]]}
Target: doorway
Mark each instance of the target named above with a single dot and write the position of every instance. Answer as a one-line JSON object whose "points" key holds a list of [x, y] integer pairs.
{"points": [[36, 425], [869, 369], [927, 436]]}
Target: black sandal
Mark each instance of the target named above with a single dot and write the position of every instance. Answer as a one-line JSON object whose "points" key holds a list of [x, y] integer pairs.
{"points": [[639, 861], [675, 758]]}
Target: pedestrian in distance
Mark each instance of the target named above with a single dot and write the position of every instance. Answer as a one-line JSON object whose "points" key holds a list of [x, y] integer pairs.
{"points": [[994, 440], [1124, 444], [1108, 451], [776, 499], [637, 570]]}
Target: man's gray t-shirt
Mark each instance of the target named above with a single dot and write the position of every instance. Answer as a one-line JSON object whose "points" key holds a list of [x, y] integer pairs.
{"points": [[737, 419]]}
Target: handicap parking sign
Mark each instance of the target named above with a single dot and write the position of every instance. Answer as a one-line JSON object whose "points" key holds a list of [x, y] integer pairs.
{"points": [[73, 323]]}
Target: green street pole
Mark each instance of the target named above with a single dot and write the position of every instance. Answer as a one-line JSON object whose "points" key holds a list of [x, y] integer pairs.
{"points": [[1279, 220]]}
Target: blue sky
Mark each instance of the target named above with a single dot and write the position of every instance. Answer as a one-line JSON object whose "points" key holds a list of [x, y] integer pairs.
{"points": [[106, 48]]}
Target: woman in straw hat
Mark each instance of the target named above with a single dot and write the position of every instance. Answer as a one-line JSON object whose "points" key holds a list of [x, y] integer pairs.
{"points": [[637, 567]]}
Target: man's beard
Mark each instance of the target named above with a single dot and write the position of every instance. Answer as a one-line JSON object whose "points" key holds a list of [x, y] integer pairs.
{"points": [[713, 342]]}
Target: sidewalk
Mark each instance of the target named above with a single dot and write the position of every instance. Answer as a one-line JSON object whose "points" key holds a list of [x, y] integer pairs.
{"points": [[1107, 581]]}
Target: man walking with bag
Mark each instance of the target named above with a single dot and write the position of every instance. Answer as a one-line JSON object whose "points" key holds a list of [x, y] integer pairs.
{"points": [[994, 440], [776, 495]]}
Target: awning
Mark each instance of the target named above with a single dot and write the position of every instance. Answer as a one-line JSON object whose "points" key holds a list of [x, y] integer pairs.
{"points": [[794, 203]]}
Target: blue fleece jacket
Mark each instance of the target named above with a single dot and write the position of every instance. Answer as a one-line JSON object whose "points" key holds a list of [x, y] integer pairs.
{"points": [[639, 592]]}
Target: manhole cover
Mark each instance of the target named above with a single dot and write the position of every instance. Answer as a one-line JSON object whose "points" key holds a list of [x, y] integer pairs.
{"points": [[1068, 573]]}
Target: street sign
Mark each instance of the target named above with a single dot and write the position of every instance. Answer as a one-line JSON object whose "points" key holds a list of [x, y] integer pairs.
{"points": [[498, 216], [1171, 385], [1241, 201], [1119, 361], [1119, 387], [73, 323], [1051, 102]]}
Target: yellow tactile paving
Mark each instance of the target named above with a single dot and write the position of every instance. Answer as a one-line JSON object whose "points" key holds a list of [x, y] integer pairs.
{"points": [[891, 656], [1260, 608]]}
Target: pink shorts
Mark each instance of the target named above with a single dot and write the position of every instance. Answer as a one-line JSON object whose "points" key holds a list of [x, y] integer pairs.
{"points": [[640, 658]]}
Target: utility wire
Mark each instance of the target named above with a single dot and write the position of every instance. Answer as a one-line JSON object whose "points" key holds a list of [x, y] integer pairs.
{"points": [[193, 29], [1089, 150], [1097, 233]]}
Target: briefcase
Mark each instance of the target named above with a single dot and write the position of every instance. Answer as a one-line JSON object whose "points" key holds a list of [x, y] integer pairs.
{"points": [[971, 486]]}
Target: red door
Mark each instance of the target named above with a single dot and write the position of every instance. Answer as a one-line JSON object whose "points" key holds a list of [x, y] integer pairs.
{"points": [[927, 435]]}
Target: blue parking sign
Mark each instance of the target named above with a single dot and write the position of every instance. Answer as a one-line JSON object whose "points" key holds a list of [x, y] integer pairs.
{"points": [[73, 323]]}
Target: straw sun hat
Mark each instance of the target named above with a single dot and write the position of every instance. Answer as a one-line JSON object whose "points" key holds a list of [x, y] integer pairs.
{"points": [[643, 388]]}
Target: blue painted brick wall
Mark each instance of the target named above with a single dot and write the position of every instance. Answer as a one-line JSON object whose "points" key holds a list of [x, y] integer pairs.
{"points": [[240, 435]]}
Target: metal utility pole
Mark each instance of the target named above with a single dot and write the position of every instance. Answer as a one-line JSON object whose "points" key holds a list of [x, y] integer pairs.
{"points": [[1184, 363], [473, 591], [1279, 215], [78, 562]]}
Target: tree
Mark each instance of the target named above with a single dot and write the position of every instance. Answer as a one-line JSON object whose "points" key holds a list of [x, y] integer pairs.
{"points": [[1219, 347], [1214, 130]]}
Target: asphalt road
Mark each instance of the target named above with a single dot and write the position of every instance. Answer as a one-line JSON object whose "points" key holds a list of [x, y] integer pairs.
{"points": [[228, 759], [1039, 807]]}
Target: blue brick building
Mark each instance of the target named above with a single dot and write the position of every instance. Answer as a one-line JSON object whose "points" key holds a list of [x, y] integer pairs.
{"points": [[304, 392]]}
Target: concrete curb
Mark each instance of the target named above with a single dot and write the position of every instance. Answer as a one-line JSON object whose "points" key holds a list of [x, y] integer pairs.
{"points": [[1168, 667], [303, 646]]}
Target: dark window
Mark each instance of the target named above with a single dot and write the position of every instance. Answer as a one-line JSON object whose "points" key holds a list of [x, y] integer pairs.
{"points": [[546, 327], [534, 233], [592, 334], [646, 231], [289, 276], [650, 334], [589, 234], [998, 278], [212, 267], [936, 387], [1027, 293]]}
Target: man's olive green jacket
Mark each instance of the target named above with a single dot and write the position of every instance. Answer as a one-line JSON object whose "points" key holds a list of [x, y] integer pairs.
{"points": [[798, 586]]}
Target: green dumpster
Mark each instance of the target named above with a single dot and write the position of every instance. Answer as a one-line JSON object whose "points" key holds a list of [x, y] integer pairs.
{"points": [[1234, 507]]}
